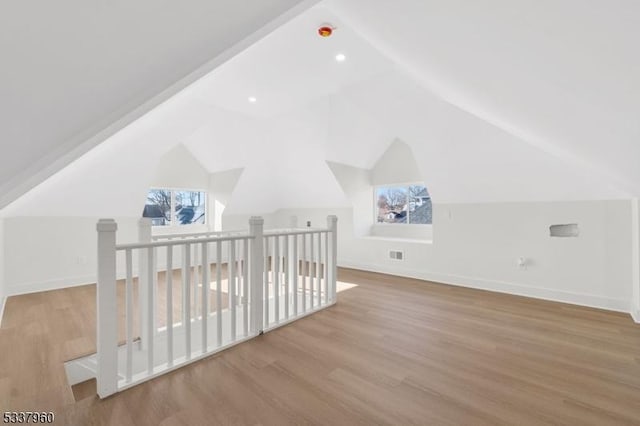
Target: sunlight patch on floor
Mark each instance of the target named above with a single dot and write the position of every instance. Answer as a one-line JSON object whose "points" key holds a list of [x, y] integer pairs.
{"points": [[342, 286]]}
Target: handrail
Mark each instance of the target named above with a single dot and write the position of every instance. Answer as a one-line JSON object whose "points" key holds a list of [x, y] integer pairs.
{"points": [[274, 232], [134, 246], [196, 234]]}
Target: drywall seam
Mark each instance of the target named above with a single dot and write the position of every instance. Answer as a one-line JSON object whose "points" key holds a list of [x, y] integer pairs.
{"points": [[593, 301]]}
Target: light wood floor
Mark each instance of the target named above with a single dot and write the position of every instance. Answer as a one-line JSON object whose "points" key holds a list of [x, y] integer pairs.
{"points": [[392, 351]]}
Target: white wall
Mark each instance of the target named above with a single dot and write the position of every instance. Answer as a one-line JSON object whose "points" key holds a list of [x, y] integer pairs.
{"points": [[477, 245], [55, 252], [60, 251], [221, 186], [241, 221], [396, 165], [177, 168]]}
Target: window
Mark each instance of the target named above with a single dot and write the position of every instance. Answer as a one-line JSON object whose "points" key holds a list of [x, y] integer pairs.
{"points": [[408, 204], [168, 207]]}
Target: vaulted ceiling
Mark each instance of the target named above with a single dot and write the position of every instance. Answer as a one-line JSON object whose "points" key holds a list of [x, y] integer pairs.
{"points": [[499, 101]]}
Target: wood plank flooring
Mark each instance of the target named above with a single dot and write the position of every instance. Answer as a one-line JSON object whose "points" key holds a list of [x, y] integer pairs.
{"points": [[392, 351]]}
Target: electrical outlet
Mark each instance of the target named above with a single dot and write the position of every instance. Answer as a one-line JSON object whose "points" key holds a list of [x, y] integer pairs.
{"points": [[522, 262]]}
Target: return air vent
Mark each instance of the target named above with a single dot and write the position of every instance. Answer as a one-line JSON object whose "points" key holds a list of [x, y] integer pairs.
{"points": [[396, 255], [569, 230]]}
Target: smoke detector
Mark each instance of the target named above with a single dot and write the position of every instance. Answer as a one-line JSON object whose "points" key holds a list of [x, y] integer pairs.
{"points": [[326, 30]]}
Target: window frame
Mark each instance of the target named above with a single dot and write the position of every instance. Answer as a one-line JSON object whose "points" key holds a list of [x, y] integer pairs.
{"points": [[405, 185], [174, 225]]}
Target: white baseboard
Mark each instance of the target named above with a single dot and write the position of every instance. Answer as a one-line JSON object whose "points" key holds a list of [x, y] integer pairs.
{"points": [[498, 286], [59, 283], [635, 314], [56, 284], [3, 301]]}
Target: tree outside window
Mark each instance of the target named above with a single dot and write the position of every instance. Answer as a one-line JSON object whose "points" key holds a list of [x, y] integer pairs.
{"points": [[167, 207], [405, 204]]}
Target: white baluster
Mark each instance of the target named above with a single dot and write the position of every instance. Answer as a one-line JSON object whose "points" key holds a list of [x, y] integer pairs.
{"points": [[287, 276], [332, 224], [231, 283], [129, 312], [151, 329], [317, 266], [186, 296], [305, 268], [169, 283], [266, 282], [205, 294], [294, 273], [276, 278], [245, 287], [311, 272], [326, 267], [219, 292]]}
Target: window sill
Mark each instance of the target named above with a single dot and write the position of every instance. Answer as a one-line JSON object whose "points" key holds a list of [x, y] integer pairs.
{"points": [[397, 239]]}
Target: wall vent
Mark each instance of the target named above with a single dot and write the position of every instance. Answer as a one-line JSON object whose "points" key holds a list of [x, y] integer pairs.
{"points": [[396, 255], [568, 230]]}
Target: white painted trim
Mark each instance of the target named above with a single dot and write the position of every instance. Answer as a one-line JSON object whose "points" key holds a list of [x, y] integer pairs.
{"points": [[74, 148], [3, 302], [635, 314], [55, 284], [593, 301], [60, 283]]}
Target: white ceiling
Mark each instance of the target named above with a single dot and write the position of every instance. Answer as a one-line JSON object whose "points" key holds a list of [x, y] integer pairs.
{"points": [[74, 72], [499, 101], [291, 67], [562, 76]]}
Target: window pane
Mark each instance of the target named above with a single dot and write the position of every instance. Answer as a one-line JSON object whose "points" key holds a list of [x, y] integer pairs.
{"points": [[190, 207], [158, 207], [392, 204], [420, 211]]}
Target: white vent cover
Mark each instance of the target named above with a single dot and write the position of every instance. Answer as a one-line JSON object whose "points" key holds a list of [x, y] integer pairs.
{"points": [[396, 255], [568, 230]]}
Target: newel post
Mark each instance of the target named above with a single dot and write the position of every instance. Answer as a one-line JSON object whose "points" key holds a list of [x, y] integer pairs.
{"points": [[144, 236], [256, 225], [332, 225], [107, 313]]}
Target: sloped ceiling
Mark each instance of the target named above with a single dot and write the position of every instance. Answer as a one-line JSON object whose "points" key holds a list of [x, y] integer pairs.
{"points": [[562, 76], [73, 72], [499, 102]]}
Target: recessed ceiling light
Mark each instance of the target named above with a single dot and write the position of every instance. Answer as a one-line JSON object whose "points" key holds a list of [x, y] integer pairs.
{"points": [[253, 99], [341, 57]]}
